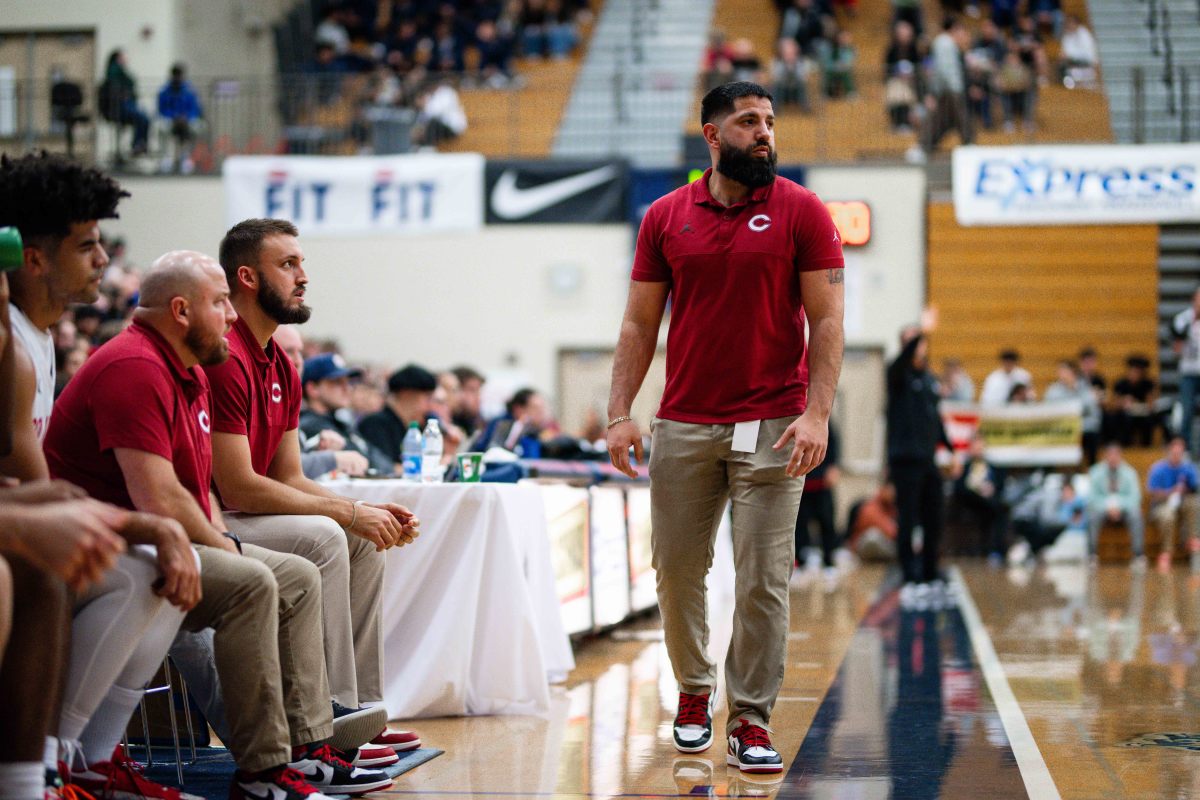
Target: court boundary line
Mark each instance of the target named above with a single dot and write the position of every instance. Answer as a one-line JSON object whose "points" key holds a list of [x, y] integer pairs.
{"points": [[1039, 783]]}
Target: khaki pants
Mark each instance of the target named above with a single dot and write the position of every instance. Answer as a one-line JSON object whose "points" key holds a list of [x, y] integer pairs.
{"points": [[693, 472], [1167, 519], [265, 608], [351, 594]]}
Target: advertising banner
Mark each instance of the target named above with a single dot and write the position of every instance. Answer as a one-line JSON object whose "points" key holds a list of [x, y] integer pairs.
{"points": [[355, 195], [1023, 434], [1076, 184], [559, 191]]}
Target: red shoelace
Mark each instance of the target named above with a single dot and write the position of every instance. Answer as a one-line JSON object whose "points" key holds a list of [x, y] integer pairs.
{"points": [[693, 709], [293, 780], [331, 756], [752, 735]]}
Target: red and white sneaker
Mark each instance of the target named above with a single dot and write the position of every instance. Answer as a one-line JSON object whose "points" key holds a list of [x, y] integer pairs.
{"points": [[372, 756], [398, 740], [122, 779], [750, 749]]}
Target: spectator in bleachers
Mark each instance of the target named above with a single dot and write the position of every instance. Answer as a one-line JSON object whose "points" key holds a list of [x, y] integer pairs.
{"points": [[88, 320], [1115, 497], [1048, 15], [118, 101], [789, 75], [1033, 55], [946, 100], [909, 11], [440, 115], [803, 22], [718, 60], [979, 489], [900, 96], [1089, 371], [955, 384], [1080, 55], [1173, 484], [1020, 393], [1134, 396], [1015, 85], [495, 55], [1071, 386], [745, 62], [547, 29], [327, 71], [409, 400], [1004, 13], [1185, 332], [838, 66], [998, 385], [332, 29], [448, 48], [983, 62], [179, 105], [466, 411], [520, 429], [902, 47]]}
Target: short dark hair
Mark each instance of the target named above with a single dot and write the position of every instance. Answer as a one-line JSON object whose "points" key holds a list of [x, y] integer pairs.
{"points": [[465, 373], [720, 101], [1087, 352], [243, 242], [412, 378], [42, 195], [520, 399], [1009, 355]]}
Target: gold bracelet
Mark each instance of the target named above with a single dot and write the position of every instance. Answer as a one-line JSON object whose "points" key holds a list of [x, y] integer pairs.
{"points": [[618, 421]]}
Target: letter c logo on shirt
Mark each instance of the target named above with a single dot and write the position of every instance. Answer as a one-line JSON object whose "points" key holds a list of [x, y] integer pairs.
{"points": [[202, 417], [276, 393], [759, 222]]}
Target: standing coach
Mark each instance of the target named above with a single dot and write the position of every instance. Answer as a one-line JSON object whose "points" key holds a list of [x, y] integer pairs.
{"points": [[746, 257]]}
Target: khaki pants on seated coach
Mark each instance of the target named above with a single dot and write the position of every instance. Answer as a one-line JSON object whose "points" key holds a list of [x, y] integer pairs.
{"points": [[693, 472]]}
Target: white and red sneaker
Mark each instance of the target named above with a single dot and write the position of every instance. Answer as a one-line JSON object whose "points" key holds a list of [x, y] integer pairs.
{"points": [[750, 749], [398, 740], [372, 756], [122, 779]]}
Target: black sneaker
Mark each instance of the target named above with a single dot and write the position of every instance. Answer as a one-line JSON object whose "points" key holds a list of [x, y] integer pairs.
{"points": [[281, 783], [354, 727], [329, 771], [693, 723], [750, 749]]}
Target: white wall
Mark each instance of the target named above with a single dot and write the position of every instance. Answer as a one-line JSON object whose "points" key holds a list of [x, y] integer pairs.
{"points": [[215, 37], [885, 279], [523, 291]]}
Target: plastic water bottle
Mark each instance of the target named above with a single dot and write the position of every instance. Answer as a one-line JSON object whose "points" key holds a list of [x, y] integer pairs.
{"points": [[411, 458], [431, 453]]}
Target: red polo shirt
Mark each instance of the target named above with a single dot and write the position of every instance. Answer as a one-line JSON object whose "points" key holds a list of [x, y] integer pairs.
{"points": [[735, 347], [134, 392], [256, 394]]}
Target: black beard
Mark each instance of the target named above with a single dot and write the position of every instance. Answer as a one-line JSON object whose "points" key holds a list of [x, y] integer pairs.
{"points": [[746, 168], [276, 306], [208, 351]]}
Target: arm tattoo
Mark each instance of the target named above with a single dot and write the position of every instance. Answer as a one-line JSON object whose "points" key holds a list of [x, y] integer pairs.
{"points": [[837, 275]]}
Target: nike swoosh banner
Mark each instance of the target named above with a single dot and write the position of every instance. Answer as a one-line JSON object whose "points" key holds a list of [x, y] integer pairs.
{"points": [[523, 192], [351, 196]]}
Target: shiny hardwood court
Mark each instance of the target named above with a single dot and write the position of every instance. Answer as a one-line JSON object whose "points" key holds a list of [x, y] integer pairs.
{"points": [[1054, 681]]}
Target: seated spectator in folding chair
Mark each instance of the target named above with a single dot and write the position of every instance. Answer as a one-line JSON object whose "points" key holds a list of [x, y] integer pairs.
{"points": [[1114, 497], [1173, 483], [134, 429], [179, 105], [979, 488], [325, 381], [1135, 395], [521, 427], [118, 101]]}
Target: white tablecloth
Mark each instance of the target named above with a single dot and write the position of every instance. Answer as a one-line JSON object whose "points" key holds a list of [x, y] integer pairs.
{"points": [[471, 621]]}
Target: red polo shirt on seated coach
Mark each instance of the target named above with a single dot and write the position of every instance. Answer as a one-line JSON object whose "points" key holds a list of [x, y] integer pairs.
{"points": [[735, 348], [256, 394], [134, 392]]}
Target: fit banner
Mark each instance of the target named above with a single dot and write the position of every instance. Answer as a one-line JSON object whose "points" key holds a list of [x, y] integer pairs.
{"points": [[588, 192], [1076, 184], [356, 195], [1021, 434]]}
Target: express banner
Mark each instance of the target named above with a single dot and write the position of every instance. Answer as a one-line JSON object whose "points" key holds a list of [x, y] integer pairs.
{"points": [[1076, 184], [351, 196], [1024, 434]]}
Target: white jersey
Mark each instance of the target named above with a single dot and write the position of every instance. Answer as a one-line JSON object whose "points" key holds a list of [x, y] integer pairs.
{"points": [[40, 347], [1187, 327]]}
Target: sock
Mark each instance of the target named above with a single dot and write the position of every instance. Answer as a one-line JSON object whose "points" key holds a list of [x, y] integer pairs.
{"points": [[23, 780], [50, 753], [104, 729]]}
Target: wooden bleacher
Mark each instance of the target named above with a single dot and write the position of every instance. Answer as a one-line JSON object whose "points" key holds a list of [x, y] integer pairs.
{"points": [[856, 129]]}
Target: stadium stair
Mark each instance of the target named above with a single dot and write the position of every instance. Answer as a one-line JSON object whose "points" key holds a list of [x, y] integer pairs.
{"points": [[636, 82]]}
